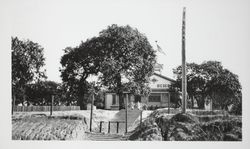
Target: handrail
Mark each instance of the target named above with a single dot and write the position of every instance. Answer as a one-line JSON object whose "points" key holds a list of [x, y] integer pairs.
{"points": [[117, 125]]}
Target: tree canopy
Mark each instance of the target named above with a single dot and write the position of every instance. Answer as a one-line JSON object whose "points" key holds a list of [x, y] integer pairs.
{"points": [[77, 65], [118, 53], [210, 80], [39, 93], [27, 62], [130, 57]]}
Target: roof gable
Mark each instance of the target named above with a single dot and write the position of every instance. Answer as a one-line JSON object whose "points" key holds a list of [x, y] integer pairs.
{"points": [[164, 77]]}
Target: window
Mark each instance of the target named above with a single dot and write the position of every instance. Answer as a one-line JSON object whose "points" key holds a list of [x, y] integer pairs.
{"points": [[154, 97], [113, 99], [165, 97]]}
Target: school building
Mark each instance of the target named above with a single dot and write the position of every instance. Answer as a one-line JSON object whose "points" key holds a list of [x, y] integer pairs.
{"points": [[159, 95]]}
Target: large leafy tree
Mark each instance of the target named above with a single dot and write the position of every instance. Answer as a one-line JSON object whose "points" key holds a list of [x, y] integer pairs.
{"points": [[195, 83], [130, 57], [210, 80], [224, 89], [27, 63], [77, 65], [118, 53], [39, 93]]}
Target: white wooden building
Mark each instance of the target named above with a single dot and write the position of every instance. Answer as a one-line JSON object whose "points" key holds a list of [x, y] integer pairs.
{"points": [[159, 95]]}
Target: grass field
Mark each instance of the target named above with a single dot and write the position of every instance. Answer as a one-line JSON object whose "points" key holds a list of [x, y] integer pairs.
{"points": [[63, 125], [45, 128]]}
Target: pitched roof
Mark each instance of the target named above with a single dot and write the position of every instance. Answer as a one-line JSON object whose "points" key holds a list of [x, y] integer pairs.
{"points": [[164, 77]]}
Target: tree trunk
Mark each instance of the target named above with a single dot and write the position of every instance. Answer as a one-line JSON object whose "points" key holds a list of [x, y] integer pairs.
{"points": [[80, 101], [201, 103], [24, 96], [120, 92], [192, 102]]}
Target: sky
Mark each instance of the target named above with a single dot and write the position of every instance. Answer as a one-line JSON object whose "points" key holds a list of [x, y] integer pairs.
{"points": [[215, 29]]}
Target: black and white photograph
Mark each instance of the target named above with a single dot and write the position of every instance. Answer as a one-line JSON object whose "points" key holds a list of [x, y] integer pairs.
{"points": [[127, 70]]}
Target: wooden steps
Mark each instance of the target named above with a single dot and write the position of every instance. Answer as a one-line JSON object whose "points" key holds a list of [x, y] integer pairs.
{"points": [[104, 137]]}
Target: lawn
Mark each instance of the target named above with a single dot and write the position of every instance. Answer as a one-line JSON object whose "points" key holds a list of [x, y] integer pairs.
{"points": [[63, 125]]}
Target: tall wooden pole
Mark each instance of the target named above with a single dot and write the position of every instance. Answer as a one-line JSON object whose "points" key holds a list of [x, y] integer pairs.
{"points": [[91, 113], [184, 78], [126, 115]]}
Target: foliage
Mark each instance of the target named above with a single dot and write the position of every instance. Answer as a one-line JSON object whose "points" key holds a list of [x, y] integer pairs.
{"points": [[237, 106], [27, 62], [130, 58], [77, 65], [210, 80], [187, 127], [148, 131], [40, 93], [175, 96], [195, 80], [184, 117], [118, 53]]}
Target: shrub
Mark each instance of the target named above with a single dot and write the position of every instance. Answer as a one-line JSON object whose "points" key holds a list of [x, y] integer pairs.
{"points": [[144, 106], [236, 108], [185, 117]]}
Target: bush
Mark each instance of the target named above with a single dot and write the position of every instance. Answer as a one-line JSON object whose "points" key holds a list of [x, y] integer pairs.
{"points": [[236, 108], [137, 105], [148, 131], [144, 106], [185, 118], [99, 105], [131, 105]]}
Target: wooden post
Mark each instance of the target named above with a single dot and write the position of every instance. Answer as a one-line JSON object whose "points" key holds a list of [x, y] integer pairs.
{"points": [[168, 103], [184, 79], [109, 127], [211, 106], [126, 115], [13, 104], [51, 105], [91, 113], [117, 127], [101, 126], [141, 118]]}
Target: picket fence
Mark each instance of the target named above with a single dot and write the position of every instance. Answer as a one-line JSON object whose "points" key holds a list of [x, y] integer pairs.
{"points": [[45, 108]]}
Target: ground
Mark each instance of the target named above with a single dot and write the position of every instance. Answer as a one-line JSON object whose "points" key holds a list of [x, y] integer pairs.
{"points": [[158, 125], [68, 125]]}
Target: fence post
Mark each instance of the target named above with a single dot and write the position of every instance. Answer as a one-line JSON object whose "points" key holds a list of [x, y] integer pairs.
{"points": [[51, 106], [168, 103], [13, 104], [117, 128], [109, 127], [141, 118], [126, 117], [101, 126], [91, 113]]}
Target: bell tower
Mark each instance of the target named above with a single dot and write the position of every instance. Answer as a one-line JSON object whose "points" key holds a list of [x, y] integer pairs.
{"points": [[158, 68]]}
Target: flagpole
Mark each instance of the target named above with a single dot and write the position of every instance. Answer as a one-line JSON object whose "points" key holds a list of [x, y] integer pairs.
{"points": [[184, 78]]}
